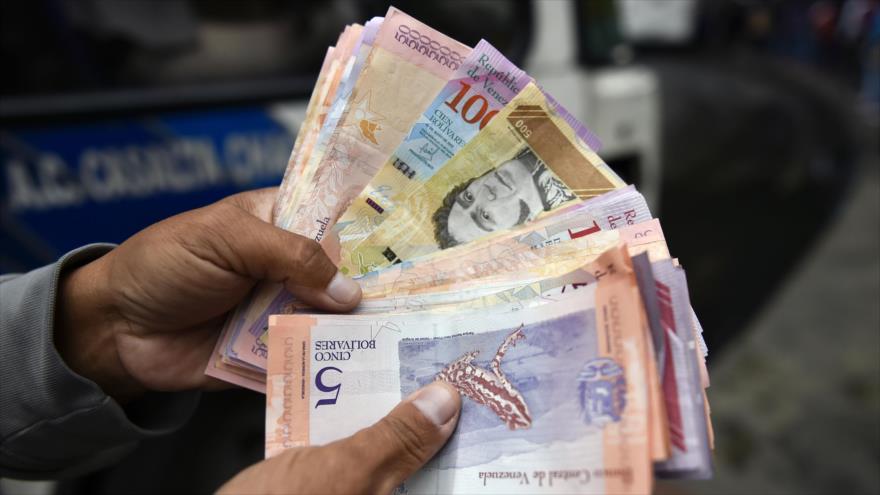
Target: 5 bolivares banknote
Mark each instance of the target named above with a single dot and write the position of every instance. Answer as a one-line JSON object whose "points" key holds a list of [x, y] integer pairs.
{"points": [[546, 389]]}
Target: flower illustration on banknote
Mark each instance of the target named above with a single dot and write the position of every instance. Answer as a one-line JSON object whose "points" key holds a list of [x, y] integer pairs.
{"points": [[602, 391], [490, 388]]}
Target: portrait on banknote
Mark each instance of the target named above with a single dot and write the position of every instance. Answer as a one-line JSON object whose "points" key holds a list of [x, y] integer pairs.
{"points": [[510, 194]]}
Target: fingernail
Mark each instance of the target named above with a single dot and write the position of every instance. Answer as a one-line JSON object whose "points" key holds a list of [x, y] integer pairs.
{"points": [[436, 402], [343, 289]]}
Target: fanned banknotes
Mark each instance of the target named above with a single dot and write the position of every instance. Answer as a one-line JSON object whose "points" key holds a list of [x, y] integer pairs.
{"points": [[496, 251]]}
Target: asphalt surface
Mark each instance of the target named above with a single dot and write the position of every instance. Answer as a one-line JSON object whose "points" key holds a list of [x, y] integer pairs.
{"points": [[796, 397]]}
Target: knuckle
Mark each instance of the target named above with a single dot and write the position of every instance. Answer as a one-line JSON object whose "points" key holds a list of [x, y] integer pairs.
{"points": [[235, 222], [243, 200], [308, 253], [225, 210], [224, 219], [233, 199], [218, 217], [197, 229], [213, 234], [257, 203]]}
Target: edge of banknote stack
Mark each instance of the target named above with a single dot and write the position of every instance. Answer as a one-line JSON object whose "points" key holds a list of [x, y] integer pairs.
{"points": [[496, 251]]}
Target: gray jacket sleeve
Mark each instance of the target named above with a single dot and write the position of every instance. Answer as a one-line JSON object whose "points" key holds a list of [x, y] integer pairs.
{"points": [[53, 422]]}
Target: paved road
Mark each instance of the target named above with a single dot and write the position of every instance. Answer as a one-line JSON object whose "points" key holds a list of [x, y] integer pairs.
{"points": [[796, 400]]}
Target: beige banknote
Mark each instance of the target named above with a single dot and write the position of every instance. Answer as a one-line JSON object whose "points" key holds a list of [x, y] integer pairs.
{"points": [[508, 258], [519, 292], [526, 161]]}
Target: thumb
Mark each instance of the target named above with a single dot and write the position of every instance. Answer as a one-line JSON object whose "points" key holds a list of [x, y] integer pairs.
{"points": [[260, 250], [408, 437]]}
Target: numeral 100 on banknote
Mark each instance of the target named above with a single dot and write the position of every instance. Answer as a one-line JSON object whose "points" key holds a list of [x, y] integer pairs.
{"points": [[466, 108]]}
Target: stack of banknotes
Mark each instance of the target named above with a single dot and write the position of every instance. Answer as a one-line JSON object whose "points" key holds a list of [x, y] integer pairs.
{"points": [[496, 251]]}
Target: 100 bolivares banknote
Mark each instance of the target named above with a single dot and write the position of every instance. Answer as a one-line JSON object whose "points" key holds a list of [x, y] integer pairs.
{"points": [[526, 161], [555, 397]]}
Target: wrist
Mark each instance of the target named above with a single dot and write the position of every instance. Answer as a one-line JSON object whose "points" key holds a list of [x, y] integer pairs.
{"points": [[86, 323]]}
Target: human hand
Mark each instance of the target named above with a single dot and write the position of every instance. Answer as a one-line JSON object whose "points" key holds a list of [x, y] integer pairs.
{"points": [[145, 316], [374, 460]]}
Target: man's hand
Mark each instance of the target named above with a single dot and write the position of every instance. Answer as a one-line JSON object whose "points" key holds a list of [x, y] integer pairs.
{"points": [[374, 460], [146, 315]]}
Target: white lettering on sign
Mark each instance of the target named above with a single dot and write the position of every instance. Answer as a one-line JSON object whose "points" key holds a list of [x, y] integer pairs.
{"points": [[112, 173]]}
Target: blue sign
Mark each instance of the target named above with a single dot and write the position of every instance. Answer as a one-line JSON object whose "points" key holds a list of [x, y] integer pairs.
{"points": [[66, 186]]}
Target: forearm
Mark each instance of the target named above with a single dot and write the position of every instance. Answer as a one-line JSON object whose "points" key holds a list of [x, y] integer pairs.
{"points": [[53, 421]]}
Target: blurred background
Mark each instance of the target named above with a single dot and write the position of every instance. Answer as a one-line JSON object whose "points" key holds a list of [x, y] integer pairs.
{"points": [[750, 126]]}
